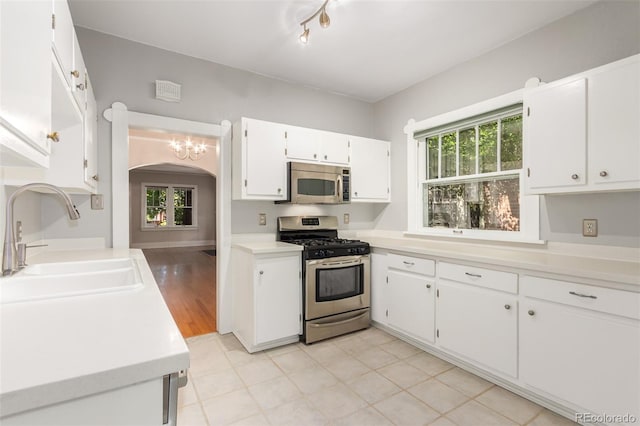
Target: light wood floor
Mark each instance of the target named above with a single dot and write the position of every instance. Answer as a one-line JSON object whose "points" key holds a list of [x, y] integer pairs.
{"points": [[187, 280]]}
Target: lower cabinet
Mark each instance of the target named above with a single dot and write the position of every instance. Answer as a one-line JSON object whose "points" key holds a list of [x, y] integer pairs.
{"points": [[574, 349], [411, 296], [379, 287], [267, 298]]}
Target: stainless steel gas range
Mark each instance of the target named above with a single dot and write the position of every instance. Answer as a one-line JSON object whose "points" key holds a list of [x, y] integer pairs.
{"points": [[336, 277]]}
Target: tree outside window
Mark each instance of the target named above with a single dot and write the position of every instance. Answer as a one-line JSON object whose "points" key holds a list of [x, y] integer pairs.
{"points": [[169, 206]]}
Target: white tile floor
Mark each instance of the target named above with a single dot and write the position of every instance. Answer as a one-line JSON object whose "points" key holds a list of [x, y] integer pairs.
{"points": [[365, 378]]}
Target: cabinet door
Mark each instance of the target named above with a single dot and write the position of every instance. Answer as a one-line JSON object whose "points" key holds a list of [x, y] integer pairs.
{"points": [[581, 356], [479, 324], [614, 133], [25, 81], [91, 138], [278, 298], [266, 172], [63, 35], [369, 170], [379, 287], [334, 147], [411, 304], [555, 137], [302, 144]]}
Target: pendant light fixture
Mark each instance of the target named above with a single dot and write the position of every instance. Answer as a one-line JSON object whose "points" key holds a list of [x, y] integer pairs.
{"points": [[324, 21]]}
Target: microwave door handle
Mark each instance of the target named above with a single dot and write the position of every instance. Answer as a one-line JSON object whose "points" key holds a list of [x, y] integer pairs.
{"points": [[339, 184]]}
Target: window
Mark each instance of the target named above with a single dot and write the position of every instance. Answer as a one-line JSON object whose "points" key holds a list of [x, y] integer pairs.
{"points": [[469, 173], [169, 206]]}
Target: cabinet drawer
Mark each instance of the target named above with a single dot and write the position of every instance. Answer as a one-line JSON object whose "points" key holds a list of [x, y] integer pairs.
{"points": [[488, 278], [615, 302], [412, 264]]}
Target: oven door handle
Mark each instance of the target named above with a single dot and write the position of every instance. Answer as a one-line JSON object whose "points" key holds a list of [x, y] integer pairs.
{"points": [[332, 324], [325, 265]]}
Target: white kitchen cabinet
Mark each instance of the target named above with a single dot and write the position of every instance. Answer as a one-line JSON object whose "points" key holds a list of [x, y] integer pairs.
{"points": [[63, 40], [78, 75], [312, 145], [581, 132], [411, 296], [581, 344], [476, 318], [259, 162], [379, 287], [25, 82], [267, 298], [370, 170], [91, 138]]}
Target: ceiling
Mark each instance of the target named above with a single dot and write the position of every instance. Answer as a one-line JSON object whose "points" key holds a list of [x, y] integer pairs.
{"points": [[372, 49]]}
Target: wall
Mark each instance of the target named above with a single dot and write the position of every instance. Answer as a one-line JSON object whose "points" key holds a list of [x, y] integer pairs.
{"points": [[205, 234], [602, 33], [125, 71]]}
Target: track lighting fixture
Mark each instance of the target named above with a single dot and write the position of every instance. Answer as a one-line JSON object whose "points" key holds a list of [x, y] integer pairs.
{"points": [[324, 21]]}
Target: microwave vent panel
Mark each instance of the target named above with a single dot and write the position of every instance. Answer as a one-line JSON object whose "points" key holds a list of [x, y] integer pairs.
{"points": [[168, 91]]}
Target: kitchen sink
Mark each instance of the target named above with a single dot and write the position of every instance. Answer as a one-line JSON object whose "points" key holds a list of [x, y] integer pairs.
{"points": [[68, 279]]}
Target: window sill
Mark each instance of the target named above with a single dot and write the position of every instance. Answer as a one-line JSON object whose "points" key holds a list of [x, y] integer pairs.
{"points": [[170, 228], [469, 234]]}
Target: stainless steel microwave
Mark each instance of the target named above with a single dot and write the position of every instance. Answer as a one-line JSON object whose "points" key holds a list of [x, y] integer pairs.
{"points": [[318, 184]]}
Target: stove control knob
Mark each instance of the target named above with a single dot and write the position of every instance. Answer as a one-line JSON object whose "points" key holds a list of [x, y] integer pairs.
{"points": [[329, 252], [321, 253]]}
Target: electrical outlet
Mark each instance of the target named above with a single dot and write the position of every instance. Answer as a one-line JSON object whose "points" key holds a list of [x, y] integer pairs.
{"points": [[97, 202], [589, 227], [346, 218], [262, 219]]}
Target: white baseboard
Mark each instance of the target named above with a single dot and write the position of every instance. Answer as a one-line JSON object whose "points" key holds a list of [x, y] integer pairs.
{"points": [[172, 244]]}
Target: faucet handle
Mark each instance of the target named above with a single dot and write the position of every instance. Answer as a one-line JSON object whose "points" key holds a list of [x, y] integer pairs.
{"points": [[22, 253]]}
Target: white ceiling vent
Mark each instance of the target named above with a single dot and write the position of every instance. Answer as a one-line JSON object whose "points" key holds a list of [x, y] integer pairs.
{"points": [[168, 91]]}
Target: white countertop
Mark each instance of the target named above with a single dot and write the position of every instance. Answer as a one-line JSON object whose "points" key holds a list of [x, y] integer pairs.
{"points": [[622, 274], [60, 349], [265, 247]]}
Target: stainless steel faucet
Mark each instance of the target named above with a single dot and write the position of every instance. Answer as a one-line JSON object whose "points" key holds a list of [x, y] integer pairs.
{"points": [[9, 260]]}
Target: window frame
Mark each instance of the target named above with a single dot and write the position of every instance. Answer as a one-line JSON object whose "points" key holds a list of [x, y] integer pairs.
{"points": [[461, 119], [170, 207]]}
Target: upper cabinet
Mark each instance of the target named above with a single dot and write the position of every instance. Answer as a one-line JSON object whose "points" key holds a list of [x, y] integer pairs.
{"points": [[582, 133], [370, 170], [261, 150], [259, 167], [47, 107], [25, 82]]}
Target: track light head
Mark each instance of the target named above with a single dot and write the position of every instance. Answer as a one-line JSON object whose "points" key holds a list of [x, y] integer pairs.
{"points": [[324, 19], [304, 37]]}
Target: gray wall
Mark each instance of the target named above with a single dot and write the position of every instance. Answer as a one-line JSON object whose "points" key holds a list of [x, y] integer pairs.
{"points": [[125, 71], [206, 208], [602, 33]]}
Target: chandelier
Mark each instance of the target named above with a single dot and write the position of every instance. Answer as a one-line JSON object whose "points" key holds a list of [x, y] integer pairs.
{"points": [[324, 22], [188, 149]]}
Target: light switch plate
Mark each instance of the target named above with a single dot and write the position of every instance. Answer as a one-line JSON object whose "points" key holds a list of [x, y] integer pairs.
{"points": [[262, 219], [97, 202], [589, 227]]}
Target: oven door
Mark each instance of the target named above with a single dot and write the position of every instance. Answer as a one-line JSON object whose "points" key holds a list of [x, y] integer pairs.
{"points": [[337, 284], [309, 187]]}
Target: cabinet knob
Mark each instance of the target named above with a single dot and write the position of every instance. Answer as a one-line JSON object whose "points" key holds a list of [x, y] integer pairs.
{"points": [[95, 177], [80, 86], [531, 312], [355, 193], [54, 136], [279, 190], [325, 157], [428, 285], [604, 173], [507, 307], [261, 272], [75, 73], [574, 176], [315, 155]]}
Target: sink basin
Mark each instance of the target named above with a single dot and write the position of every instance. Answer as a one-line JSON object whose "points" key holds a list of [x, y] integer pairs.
{"points": [[67, 279]]}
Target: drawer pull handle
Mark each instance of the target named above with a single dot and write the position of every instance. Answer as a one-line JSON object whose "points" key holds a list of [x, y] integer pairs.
{"points": [[473, 275], [408, 263], [589, 296], [531, 312], [507, 307]]}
